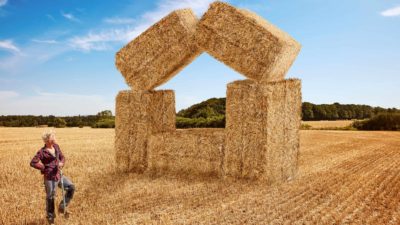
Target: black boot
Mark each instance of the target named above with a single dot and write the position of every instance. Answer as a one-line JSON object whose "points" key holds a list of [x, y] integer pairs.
{"points": [[50, 208]]}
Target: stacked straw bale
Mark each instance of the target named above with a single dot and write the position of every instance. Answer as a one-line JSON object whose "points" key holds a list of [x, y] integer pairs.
{"points": [[261, 139], [188, 151], [160, 52], [246, 42], [139, 114], [262, 129]]}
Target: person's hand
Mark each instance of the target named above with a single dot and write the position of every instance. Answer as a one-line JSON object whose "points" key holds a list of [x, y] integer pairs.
{"points": [[61, 165]]}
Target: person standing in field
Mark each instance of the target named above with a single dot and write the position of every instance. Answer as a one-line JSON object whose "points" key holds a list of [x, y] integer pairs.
{"points": [[50, 160]]}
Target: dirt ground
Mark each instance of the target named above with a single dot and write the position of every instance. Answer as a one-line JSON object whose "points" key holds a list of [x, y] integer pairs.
{"points": [[345, 177]]}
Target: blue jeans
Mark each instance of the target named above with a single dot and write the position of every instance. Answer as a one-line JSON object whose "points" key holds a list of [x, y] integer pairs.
{"points": [[51, 187]]}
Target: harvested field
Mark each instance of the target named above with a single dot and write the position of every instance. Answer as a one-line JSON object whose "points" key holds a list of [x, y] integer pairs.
{"points": [[345, 177], [328, 124]]}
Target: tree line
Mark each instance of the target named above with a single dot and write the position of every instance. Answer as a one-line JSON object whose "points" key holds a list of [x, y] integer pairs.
{"points": [[338, 111], [103, 119], [209, 113]]}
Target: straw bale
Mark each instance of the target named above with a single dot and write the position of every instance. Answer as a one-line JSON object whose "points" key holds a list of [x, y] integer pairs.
{"points": [[246, 42], [160, 52], [187, 151], [262, 129], [139, 114]]}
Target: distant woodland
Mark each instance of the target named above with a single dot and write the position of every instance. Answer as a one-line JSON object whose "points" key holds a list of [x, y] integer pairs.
{"points": [[103, 119], [209, 113]]}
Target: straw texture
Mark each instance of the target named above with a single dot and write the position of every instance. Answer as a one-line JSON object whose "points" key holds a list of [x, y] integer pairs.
{"points": [[188, 151], [246, 42], [262, 129], [139, 114], [160, 52]]}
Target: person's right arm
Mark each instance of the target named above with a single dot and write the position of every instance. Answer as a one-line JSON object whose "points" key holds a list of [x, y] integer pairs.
{"points": [[36, 161]]}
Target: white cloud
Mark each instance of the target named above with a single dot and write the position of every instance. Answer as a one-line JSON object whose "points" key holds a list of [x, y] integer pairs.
{"points": [[45, 41], [29, 57], [8, 94], [102, 40], [70, 17], [119, 20], [3, 3], [98, 41], [58, 104], [9, 46], [395, 11]]}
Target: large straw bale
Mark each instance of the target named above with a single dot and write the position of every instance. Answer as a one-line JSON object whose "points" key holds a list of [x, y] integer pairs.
{"points": [[160, 52], [187, 151], [262, 129], [246, 42], [139, 114]]}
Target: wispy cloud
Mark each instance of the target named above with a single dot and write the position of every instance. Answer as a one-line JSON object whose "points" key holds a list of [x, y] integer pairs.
{"points": [[9, 46], [70, 17], [103, 40], [119, 20], [95, 40], [29, 57], [98, 41], [8, 94], [3, 3], [395, 11], [38, 104], [45, 41], [51, 17]]}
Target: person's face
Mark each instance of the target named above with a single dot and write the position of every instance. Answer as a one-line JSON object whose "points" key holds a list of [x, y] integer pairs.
{"points": [[51, 140]]}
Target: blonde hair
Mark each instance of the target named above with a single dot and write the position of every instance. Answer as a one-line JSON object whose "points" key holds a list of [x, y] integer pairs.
{"points": [[47, 134]]}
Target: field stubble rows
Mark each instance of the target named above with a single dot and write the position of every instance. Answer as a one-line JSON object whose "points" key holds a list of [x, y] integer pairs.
{"points": [[345, 177]]}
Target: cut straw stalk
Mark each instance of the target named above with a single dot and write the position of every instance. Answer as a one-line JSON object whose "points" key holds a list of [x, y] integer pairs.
{"points": [[262, 129]]}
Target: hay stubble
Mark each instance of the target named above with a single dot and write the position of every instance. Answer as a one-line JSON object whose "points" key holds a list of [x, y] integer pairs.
{"points": [[344, 177]]}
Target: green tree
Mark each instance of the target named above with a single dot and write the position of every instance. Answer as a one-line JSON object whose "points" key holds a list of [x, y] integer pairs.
{"points": [[105, 114], [59, 122]]}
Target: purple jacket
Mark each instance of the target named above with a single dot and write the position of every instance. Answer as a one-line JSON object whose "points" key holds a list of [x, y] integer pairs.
{"points": [[49, 163]]}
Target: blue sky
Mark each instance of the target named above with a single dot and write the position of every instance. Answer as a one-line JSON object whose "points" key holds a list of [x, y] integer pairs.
{"points": [[57, 57]]}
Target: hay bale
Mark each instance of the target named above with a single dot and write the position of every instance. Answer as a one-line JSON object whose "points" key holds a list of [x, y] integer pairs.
{"points": [[160, 52], [262, 129], [139, 114], [246, 42], [187, 152]]}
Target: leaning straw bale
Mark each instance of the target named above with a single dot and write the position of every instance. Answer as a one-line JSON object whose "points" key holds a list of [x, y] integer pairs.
{"points": [[246, 42], [160, 52], [139, 114], [187, 152], [262, 129]]}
